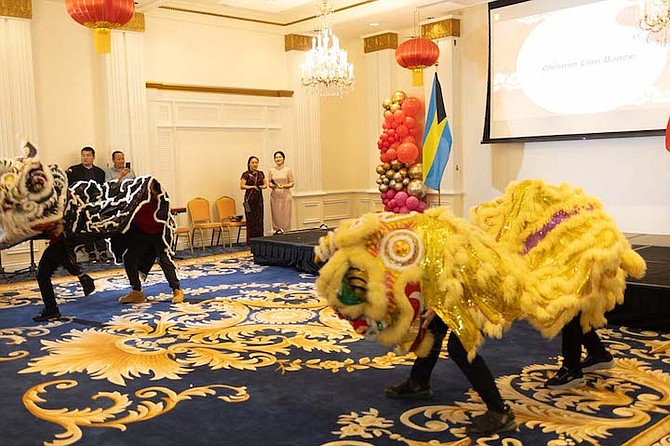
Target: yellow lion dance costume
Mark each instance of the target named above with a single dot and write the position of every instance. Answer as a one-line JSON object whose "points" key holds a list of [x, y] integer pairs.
{"points": [[540, 252]]}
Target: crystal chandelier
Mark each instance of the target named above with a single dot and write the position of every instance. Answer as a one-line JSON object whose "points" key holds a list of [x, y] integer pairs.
{"points": [[656, 19], [326, 70]]}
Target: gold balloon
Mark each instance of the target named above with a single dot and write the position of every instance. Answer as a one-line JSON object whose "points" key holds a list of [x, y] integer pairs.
{"points": [[379, 181], [390, 173], [416, 171], [385, 180], [386, 166], [398, 186], [380, 169], [383, 188], [403, 171], [398, 96], [417, 188], [396, 165], [405, 181], [398, 177], [387, 103], [395, 107]]}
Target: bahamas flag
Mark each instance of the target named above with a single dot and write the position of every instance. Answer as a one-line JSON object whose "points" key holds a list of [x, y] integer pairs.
{"points": [[436, 139]]}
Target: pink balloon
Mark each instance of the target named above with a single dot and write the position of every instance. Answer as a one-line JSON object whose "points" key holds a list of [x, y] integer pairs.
{"points": [[412, 203], [401, 197], [393, 204], [422, 206], [404, 210], [396, 209], [388, 208], [391, 193]]}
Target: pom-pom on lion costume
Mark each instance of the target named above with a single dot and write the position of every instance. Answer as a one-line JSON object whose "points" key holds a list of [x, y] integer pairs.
{"points": [[540, 252]]}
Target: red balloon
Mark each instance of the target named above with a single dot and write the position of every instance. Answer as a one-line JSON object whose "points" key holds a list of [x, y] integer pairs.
{"points": [[395, 145], [385, 125], [411, 106], [384, 136], [409, 139], [414, 132], [402, 131], [391, 154], [410, 122], [379, 144], [407, 152], [383, 158], [388, 113], [386, 144], [399, 116]]}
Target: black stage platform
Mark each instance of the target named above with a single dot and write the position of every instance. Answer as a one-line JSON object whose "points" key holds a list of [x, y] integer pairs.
{"points": [[646, 305], [294, 249], [647, 300]]}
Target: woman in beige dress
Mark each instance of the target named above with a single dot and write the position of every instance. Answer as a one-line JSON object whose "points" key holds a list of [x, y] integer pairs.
{"points": [[281, 201]]}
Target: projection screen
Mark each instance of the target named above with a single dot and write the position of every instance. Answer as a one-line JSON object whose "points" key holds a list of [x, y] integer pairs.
{"points": [[573, 69]]}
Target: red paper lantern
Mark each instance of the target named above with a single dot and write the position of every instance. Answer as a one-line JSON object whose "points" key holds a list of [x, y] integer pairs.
{"points": [[417, 54], [102, 16]]}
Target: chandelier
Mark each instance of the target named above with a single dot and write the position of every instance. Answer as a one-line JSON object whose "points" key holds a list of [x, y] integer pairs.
{"points": [[326, 70], [655, 19]]}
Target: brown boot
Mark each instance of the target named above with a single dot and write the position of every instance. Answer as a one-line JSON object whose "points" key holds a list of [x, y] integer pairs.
{"points": [[134, 297], [177, 296]]}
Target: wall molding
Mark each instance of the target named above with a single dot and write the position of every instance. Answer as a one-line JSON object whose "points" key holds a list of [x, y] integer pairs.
{"points": [[220, 90]]}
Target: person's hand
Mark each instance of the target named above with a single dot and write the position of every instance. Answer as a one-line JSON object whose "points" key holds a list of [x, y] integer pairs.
{"points": [[125, 171]]}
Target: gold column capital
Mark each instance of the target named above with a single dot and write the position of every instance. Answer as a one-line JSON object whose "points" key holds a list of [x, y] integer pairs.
{"points": [[380, 42], [22, 9], [443, 28], [136, 23], [297, 42]]}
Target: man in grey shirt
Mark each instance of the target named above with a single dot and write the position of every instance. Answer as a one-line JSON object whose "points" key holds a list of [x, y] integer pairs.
{"points": [[120, 170]]}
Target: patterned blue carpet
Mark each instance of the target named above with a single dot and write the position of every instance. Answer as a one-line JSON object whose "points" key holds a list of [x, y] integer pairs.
{"points": [[254, 357]]}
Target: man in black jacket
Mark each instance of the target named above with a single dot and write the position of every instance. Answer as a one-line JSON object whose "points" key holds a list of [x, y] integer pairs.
{"points": [[87, 171]]}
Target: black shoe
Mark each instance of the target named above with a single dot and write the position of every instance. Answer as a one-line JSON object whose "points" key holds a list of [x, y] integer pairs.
{"points": [[408, 390], [47, 315], [492, 422], [87, 284], [92, 258], [278, 232], [565, 379], [594, 363]]}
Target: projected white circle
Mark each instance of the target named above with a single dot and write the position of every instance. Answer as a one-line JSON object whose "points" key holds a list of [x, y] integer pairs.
{"points": [[598, 65]]}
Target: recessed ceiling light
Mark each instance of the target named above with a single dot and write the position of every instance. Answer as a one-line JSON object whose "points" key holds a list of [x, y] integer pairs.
{"points": [[373, 24]]}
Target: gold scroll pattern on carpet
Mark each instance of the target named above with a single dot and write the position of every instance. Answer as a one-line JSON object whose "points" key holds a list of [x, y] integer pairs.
{"points": [[150, 402], [620, 399]]}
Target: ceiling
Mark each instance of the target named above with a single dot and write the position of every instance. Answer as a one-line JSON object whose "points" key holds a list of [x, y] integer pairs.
{"points": [[350, 17]]}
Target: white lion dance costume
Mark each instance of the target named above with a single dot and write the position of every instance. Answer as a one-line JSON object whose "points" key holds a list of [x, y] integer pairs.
{"points": [[540, 252], [35, 198]]}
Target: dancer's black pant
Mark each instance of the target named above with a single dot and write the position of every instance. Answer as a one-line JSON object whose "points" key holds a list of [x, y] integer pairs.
{"points": [[477, 372], [90, 246], [57, 254], [142, 250], [572, 339]]}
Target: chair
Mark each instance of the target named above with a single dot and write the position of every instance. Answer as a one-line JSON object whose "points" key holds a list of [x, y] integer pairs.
{"points": [[198, 212], [225, 207], [180, 231]]}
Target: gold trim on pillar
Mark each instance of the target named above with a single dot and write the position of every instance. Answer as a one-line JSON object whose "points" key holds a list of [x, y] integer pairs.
{"points": [[297, 42], [381, 42], [136, 23], [443, 28], [223, 90], [22, 9]]}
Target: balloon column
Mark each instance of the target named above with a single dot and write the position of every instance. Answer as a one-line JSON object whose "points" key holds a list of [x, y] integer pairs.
{"points": [[400, 175]]}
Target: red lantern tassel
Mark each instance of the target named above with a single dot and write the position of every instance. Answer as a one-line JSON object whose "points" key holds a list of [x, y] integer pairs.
{"points": [[102, 40], [417, 77]]}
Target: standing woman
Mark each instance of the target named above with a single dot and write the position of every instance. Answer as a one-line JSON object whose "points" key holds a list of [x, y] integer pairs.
{"points": [[252, 183], [281, 200]]}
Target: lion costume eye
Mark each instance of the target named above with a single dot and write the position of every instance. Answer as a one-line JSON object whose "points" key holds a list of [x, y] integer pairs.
{"points": [[8, 178], [401, 249]]}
